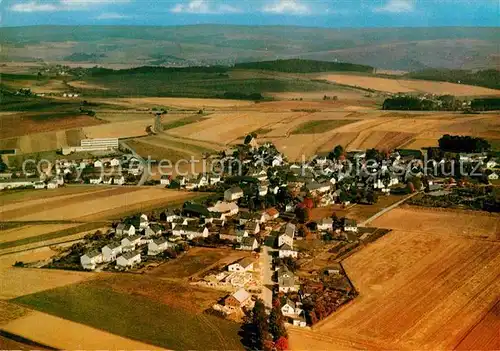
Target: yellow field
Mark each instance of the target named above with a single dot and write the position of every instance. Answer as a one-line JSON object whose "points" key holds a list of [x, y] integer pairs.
{"points": [[40, 327], [406, 85], [91, 206], [16, 282], [30, 231], [183, 102], [420, 287]]}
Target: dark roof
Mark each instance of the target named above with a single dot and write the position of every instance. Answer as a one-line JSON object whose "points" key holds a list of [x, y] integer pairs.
{"points": [[247, 241], [160, 241], [245, 262], [350, 222], [131, 254], [93, 253], [113, 245], [286, 247], [133, 237]]}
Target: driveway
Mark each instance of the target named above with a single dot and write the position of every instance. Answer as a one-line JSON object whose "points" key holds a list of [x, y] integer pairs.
{"points": [[267, 274]]}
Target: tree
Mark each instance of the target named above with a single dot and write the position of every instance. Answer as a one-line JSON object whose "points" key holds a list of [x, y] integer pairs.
{"points": [[338, 151], [302, 214], [371, 197], [281, 344], [277, 321]]}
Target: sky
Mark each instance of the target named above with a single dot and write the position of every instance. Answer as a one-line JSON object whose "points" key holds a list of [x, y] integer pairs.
{"points": [[313, 13]]}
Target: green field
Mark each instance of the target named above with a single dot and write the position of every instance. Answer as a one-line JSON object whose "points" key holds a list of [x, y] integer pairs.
{"points": [[321, 126], [183, 121], [136, 317]]}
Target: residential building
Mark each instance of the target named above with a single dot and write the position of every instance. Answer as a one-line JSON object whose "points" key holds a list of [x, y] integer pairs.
{"points": [[243, 265], [226, 208], [287, 236], [129, 259], [159, 245], [110, 251], [233, 193], [271, 214], [325, 224], [350, 225], [286, 280], [286, 250], [239, 299], [91, 259], [130, 242], [291, 309], [252, 227], [125, 229], [248, 243]]}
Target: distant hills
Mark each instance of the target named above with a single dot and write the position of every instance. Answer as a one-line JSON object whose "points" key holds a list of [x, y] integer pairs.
{"points": [[408, 49]]}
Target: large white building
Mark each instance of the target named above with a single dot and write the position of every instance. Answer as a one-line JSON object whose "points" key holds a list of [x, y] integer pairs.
{"points": [[102, 143]]}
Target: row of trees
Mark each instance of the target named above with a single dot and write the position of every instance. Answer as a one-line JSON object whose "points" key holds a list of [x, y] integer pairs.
{"points": [[263, 332], [458, 143]]}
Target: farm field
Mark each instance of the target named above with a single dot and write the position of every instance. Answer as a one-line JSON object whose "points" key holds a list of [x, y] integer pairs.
{"points": [[484, 335], [154, 323], [182, 103], [92, 206], [470, 224], [39, 327], [195, 261], [438, 285], [29, 231], [406, 85]]}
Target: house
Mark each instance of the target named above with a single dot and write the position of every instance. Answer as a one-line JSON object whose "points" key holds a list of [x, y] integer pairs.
{"points": [[287, 236], [239, 299], [95, 179], [52, 184], [39, 185], [318, 188], [325, 224], [290, 308], [248, 243], [493, 176], [129, 243], [243, 265], [119, 180], [286, 280], [143, 221], [287, 251], [110, 251], [107, 180], [154, 230], [159, 245], [233, 193], [191, 231], [98, 164], [299, 321], [125, 229], [214, 179], [252, 227], [263, 190], [271, 214], [277, 161], [226, 208], [251, 216], [491, 164], [91, 259], [228, 234], [129, 259], [114, 162], [350, 225], [165, 180]]}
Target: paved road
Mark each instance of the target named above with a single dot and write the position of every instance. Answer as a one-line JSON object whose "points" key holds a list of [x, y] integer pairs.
{"points": [[145, 174], [267, 274], [387, 209]]}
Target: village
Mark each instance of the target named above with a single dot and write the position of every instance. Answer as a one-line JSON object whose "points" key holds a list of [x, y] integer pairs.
{"points": [[271, 211]]}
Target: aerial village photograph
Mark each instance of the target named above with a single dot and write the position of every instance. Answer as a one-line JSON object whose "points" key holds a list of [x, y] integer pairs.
{"points": [[306, 175]]}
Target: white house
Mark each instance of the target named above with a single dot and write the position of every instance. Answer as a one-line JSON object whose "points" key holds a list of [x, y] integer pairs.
{"points": [[493, 176], [165, 180], [110, 251], [128, 259], [214, 179], [325, 224], [98, 164], [252, 227], [287, 251], [291, 309], [119, 180], [130, 242], [263, 190], [233, 193], [115, 162], [39, 185], [243, 265], [491, 164], [91, 259], [52, 184], [143, 221], [95, 180], [286, 280], [287, 236], [277, 161], [125, 229], [159, 245], [226, 208], [190, 231], [350, 225], [248, 243]]}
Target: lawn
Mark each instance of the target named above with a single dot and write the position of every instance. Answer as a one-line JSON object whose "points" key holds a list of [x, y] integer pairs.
{"points": [[157, 153], [183, 121], [136, 317], [321, 126]]}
